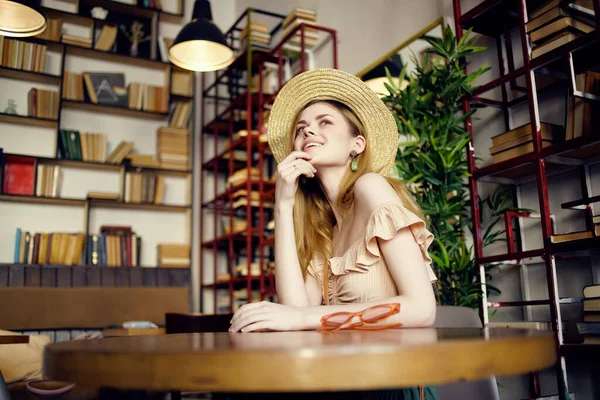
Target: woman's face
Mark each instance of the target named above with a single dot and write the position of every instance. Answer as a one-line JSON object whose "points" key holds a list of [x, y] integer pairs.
{"points": [[323, 132]]}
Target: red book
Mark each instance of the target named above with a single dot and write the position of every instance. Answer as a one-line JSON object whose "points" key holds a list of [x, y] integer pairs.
{"points": [[19, 175]]}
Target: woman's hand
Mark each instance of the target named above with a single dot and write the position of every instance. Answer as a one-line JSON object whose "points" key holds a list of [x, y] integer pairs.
{"points": [[288, 172], [267, 316]]}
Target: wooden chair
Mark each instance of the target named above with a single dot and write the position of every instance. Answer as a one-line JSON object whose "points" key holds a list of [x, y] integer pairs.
{"points": [[464, 317]]}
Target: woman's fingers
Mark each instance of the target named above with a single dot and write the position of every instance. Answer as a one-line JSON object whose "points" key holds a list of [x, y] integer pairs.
{"points": [[259, 314]]}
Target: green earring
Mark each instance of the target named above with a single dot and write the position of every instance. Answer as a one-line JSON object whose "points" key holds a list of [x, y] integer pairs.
{"points": [[354, 163]]}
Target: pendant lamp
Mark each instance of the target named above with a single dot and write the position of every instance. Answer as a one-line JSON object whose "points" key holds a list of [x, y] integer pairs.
{"points": [[376, 77], [21, 18], [200, 45]]}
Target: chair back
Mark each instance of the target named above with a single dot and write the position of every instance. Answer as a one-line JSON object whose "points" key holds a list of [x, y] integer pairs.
{"points": [[196, 323], [464, 317]]}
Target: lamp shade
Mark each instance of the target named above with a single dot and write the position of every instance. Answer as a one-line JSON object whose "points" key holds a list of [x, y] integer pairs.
{"points": [[376, 77], [200, 45], [21, 18]]}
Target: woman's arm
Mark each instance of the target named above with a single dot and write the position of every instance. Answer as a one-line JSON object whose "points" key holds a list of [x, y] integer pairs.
{"points": [[291, 288], [417, 302]]}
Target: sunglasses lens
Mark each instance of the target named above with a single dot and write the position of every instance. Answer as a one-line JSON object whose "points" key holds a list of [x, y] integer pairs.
{"points": [[337, 319], [376, 313]]}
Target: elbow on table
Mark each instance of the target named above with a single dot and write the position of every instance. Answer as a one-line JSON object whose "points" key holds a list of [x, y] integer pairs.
{"points": [[427, 315]]}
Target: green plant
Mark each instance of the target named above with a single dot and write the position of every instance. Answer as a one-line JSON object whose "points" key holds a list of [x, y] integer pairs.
{"points": [[432, 160]]}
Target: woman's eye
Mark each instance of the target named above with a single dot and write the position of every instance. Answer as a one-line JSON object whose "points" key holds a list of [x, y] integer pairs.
{"points": [[325, 122]]}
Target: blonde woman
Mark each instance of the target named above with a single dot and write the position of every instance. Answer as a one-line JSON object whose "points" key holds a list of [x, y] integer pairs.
{"points": [[347, 237]]}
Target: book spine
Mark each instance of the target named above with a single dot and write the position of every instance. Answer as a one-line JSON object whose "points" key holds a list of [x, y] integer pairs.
{"points": [[17, 245]]}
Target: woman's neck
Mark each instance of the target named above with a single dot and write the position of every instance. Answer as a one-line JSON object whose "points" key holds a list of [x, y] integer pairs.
{"points": [[330, 180]]}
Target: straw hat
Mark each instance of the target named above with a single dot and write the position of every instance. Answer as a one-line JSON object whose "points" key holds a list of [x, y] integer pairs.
{"points": [[334, 84]]}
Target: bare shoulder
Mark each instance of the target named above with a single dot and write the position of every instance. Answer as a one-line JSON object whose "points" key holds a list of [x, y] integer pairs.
{"points": [[371, 190]]}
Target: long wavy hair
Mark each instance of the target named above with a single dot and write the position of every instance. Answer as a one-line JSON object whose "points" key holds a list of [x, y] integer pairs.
{"points": [[313, 216]]}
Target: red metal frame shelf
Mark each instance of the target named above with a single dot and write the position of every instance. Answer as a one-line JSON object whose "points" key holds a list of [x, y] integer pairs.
{"points": [[232, 85], [254, 184], [237, 280], [499, 18]]}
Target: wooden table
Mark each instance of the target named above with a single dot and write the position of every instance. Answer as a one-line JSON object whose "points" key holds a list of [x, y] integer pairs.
{"points": [[299, 361]]}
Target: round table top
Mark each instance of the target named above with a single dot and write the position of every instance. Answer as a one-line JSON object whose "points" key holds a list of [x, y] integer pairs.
{"points": [[299, 361]]}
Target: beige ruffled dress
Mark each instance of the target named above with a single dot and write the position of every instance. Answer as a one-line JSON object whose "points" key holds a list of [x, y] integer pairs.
{"points": [[360, 275]]}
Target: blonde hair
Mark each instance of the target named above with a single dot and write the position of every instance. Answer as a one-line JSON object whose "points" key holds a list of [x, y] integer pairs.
{"points": [[313, 216]]}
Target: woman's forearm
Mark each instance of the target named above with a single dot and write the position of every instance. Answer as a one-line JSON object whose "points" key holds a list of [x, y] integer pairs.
{"points": [[291, 290], [413, 313]]}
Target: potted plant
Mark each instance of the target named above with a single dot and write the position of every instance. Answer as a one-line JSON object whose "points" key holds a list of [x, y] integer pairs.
{"points": [[432, 160]]}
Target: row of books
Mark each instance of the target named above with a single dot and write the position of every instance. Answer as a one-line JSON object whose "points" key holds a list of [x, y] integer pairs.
{"points": [[256, 33], [551, 26], [48, 248], [80, 146], [143, 188], [42, 103], [148, 97], [115, 246], [48, 180], [582, 116], [53, 30], [173, 255], [22, 55]]}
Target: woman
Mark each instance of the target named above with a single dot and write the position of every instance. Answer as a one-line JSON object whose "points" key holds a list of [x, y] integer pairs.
{"points": [[346, 236], [336, 214]]}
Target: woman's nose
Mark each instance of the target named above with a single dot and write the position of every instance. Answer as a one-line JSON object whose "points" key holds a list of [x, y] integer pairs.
{"points": [[308, 131]]}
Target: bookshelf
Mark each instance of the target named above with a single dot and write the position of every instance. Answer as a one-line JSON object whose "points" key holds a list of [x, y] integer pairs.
{"points": [[37, 140], [543, 170], [237, 183]]}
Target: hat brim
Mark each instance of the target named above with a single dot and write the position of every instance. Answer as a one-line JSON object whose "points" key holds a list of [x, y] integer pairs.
{"points": [[334, 84]]}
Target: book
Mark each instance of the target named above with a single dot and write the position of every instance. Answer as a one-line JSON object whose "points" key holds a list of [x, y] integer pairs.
{"points": [[590, 291], [560, 25], [559, 40], [567, 237]]}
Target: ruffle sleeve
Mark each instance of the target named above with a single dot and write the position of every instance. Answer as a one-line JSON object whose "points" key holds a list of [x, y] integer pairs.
{"points": [[385, 222]]}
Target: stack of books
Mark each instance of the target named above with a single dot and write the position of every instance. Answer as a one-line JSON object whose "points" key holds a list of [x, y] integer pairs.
{"points": [[239, 225], [171, 255], [241, 175], [240, 199], [257, 34], [590, 327], [42, 103], [143, 160], [173, 148], [551, 26], [77, 40], [297, 17], [519, 141]]}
